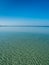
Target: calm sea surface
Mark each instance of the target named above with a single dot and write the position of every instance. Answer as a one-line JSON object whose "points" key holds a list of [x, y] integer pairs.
{"points": [[24, 45], [25, 29]]}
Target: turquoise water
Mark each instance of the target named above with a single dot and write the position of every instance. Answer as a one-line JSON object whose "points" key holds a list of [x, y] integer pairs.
{"points": [[24, 47]]}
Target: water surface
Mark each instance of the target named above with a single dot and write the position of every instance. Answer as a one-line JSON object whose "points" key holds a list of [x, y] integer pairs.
{"points": [[24, 46]]}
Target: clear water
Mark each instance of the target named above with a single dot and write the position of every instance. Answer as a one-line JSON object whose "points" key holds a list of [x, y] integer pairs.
{"points": [[24, 46]]}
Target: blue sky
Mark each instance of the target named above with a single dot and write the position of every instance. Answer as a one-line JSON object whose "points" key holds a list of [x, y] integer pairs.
{"points": [[22, 12]]}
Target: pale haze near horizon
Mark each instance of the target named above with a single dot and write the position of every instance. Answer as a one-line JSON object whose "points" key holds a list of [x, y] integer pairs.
{"points": [[23, 21]]}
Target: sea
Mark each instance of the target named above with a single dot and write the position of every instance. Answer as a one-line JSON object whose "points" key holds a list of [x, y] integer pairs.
{"points": [[24, 45]]}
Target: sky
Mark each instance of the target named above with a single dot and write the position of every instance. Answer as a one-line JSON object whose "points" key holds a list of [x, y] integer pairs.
{"points": [[24, 12]]}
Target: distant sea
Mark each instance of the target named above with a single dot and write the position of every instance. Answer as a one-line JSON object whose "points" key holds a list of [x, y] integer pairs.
{"points": [[25, 29]]}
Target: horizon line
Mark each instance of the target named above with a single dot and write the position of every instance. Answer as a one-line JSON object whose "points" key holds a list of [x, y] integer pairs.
{"points": [[24, 26]]}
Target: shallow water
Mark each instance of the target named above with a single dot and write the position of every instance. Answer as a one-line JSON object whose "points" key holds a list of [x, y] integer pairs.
{"points": [[24, 48]]}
